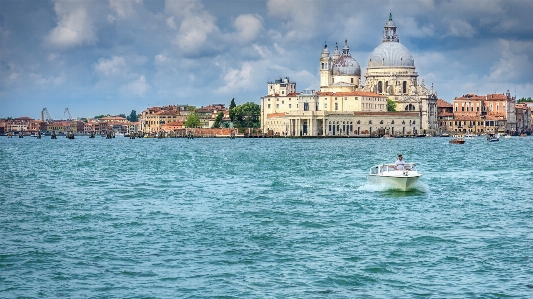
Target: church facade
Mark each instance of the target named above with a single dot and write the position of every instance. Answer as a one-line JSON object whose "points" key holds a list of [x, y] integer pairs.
{"points": [[344, 107]]}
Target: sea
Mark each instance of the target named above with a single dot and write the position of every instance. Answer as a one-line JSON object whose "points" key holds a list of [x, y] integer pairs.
{"points": [[264, 218]]}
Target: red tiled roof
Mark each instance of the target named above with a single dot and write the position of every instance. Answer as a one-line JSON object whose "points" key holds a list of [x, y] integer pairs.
{"points": [[443, 104]]}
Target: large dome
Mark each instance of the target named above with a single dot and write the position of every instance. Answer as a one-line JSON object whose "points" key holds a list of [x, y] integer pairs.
{"points": [[346, 66], [391, 54]]}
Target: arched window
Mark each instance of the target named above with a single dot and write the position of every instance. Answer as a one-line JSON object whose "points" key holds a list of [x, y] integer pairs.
{"points": [[392, 122], [410, 107], [381, 122], [404, 89], [380, 87]]}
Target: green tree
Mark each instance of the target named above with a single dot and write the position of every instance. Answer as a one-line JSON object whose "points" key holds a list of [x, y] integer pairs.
{"points": [[133, 116], [247, 115], [218, 120], [122, 115], [191, 108], [100, 116], [524, 100], [192, 121], [391, 105], [231, 112]]}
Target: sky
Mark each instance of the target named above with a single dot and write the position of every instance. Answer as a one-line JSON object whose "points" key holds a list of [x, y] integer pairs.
{"points": [[114, 56]]}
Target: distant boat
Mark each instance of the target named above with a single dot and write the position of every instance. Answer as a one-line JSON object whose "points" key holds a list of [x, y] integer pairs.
{"points": [[492, 138], [444, 135], [458, 140]]}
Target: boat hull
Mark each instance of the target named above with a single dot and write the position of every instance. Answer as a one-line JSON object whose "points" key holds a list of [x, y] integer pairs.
{"points": [[403, 183]]}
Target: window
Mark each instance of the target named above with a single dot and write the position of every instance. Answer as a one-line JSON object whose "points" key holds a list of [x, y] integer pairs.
{"points": [[351, 80], [283, 102], [268, 105], [277, 105], [289, 105], [380, 87], [306, 106], [283, 92], [404, 87], [336, 106]]}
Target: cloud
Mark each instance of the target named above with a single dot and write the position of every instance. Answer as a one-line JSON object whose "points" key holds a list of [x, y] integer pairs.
{"points": [[248, 27], [115, 65], [460, 28], [514, 63], [170, 23], [196, 25], [123, 8], [302, 18], [236, 80], [74, 27], [137, 87]]}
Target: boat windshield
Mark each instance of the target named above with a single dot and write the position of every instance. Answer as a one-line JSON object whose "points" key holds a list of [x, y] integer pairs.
{"points": [[391, 167]]}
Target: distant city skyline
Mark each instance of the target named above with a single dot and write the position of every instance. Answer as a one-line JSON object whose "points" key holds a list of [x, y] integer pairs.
{"points": [[114, 56]]}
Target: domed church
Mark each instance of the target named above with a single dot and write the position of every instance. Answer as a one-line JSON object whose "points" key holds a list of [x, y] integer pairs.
{"points": [[391, 72], [344, 107]]}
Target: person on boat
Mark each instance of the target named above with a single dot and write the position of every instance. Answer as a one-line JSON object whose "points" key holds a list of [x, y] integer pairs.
{"points": [[399, 164]]}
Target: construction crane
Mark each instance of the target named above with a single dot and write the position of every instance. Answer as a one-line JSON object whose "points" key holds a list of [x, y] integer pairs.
{"points": [[67, 113], [48, 118]]}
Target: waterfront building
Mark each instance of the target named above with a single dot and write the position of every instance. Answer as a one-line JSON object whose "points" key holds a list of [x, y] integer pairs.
{"points": [[344, 107], [490, 114], [523, 118], [444, 116], [151, 119]]}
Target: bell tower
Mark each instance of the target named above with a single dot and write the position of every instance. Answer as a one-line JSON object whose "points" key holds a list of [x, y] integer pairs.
{"points": [[325, 68]]}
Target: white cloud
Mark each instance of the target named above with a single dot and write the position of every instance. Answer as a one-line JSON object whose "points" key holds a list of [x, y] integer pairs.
{"points": [[170, 23], [514, 62], [40, 80], [237, 80], [460, 28], [302, 17], [74, 27], [137, 87], [116, 64], [123, 8], [248, 27], [195, 26]]}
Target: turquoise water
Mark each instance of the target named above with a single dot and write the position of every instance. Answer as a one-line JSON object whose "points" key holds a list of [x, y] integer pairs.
{"points": [[263, 218]]}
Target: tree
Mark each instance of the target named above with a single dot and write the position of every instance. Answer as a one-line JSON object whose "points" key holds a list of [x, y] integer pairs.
{"points": [[191, 108], [122, 115], [231, 113], [133, 116], [524, 100], [100, 116], [391, 105], [192, 121], [218, 120], [247, 115]]}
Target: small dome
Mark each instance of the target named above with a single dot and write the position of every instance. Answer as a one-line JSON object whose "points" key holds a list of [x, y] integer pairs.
{"points": [[325, 50], [346, 66], [391, 54]]}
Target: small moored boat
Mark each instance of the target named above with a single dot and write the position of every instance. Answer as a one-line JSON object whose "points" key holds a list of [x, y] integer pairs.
{"points": [[458, 140], [388, 175], [492, 138]]}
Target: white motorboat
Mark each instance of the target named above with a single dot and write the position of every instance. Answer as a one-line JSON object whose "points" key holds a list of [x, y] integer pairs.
{"points": [[388, 175]]}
